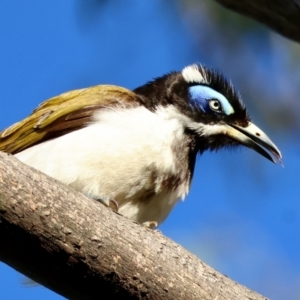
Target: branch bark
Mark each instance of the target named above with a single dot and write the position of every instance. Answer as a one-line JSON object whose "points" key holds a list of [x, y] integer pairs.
{"points": [[82, 250], [281, 15]]}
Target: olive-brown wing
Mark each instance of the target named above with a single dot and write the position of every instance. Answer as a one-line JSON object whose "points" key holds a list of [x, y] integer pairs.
{"points": [[62, 114]]}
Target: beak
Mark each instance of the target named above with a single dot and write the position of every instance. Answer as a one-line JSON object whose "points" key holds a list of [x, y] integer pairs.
{"points": [[254, 138]]}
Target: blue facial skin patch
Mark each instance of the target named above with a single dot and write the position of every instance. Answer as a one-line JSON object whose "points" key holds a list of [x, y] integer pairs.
{"points": [[200, 96]]}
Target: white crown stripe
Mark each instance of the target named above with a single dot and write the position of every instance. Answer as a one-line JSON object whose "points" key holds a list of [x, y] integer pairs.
{"points": [[192, 74]]}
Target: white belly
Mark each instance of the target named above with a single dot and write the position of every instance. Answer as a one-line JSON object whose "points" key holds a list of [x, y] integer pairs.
{"points": [[124, 155]]}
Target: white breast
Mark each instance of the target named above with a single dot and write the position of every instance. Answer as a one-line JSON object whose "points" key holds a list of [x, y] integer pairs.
{"points": [[122, 155]]}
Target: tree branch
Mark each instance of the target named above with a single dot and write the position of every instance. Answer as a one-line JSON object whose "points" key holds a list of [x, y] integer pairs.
{"points": [[82, 250], [281, 15]]}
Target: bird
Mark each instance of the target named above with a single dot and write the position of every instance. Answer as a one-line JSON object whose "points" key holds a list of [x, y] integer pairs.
{"points": [[136, 150]]}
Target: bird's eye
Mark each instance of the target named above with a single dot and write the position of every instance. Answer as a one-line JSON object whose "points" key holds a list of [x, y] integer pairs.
{"points": [[215, 105], [209, 101]]}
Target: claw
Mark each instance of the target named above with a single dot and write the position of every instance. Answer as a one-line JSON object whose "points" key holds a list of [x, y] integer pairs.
{"points": [[150, 224], [111, 203]]}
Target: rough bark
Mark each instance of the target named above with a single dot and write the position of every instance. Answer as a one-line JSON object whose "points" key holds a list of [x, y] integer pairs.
{"points": [[282, 16], [82, 250]]}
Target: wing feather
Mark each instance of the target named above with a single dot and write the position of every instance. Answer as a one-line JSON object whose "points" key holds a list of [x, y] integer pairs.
{"points": [[62, 114]]}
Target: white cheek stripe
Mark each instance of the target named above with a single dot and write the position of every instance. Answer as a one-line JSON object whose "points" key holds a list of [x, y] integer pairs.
{"points": [[209, 130]]}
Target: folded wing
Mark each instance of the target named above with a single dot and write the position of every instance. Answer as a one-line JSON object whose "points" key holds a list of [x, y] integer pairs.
{"points": [[62, 114]]}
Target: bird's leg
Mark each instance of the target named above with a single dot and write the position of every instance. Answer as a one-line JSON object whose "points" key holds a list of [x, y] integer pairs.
{"points": [[111, 203], [150, 224]]}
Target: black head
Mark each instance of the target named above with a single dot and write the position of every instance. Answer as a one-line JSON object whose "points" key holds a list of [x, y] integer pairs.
{"points": [[210, 107]]}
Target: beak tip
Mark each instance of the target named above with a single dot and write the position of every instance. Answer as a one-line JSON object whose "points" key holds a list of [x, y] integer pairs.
{"points": [[277, 155], [280, 161], [253, 137]]}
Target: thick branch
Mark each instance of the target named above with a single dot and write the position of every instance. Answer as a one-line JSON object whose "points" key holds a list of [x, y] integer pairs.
{"points": [[281, 15], [82, 250]]}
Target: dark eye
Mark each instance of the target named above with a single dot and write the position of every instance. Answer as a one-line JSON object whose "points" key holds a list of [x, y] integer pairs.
{"points": [[215, 105]]}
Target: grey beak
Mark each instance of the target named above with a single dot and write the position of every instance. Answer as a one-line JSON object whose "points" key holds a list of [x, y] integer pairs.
{"points": [[254, 138]]}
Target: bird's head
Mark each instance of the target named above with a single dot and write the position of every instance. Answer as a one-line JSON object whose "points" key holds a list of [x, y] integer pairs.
{"points": [[212, 110]]}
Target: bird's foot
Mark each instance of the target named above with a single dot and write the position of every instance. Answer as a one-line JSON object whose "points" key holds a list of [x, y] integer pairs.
{"points": [[111, 203], [150, 224]]}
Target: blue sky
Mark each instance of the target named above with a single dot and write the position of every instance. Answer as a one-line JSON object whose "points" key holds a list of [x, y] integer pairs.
{"points": [[242, 216]]}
